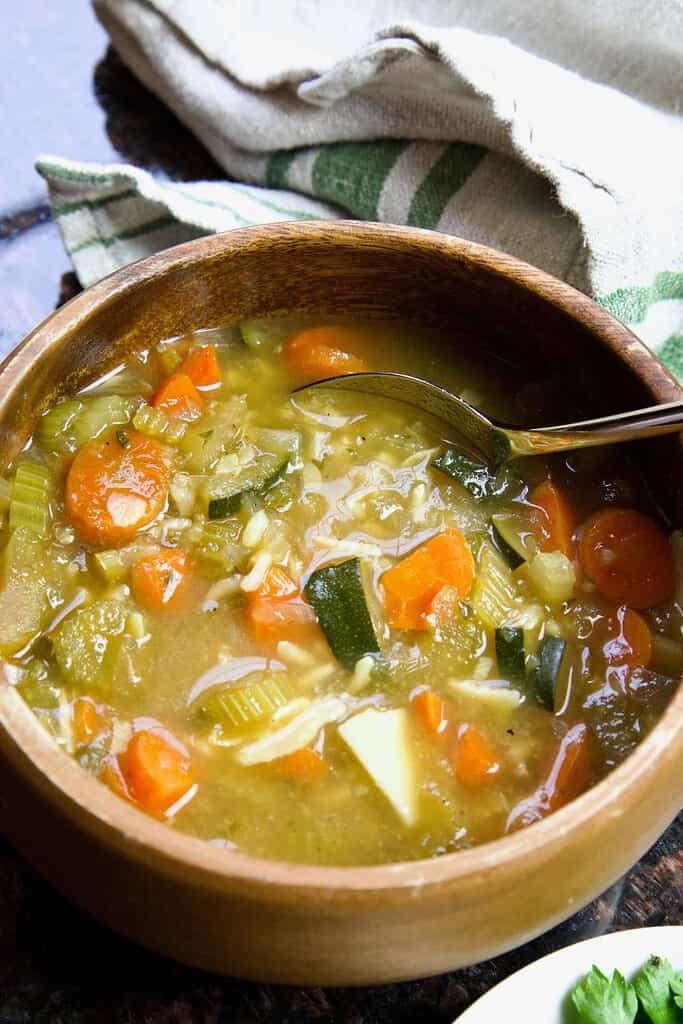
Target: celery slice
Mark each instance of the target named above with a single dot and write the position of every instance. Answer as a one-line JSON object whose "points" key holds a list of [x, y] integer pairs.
{"points": [[5, 494], [236, 708], [23, 595], [70, 424], [155, 423], [493, 592], [30, 501], [112, 565], [83, 645]]}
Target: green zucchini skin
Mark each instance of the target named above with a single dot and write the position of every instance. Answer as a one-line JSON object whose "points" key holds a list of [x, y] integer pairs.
{"points": [[510, 652], [337, 595], [473, 475], [550, 657], [513, 559], [221, 508]]}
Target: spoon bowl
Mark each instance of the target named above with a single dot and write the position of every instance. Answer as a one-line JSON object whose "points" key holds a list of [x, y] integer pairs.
{"points": [[496, 442]]}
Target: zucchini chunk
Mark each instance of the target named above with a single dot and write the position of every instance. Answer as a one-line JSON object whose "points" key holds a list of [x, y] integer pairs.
{"points": [[23, 597], [337, 595], [224, 492], [85, 645], [547, 675], [513, 539], [475, 476], [510, 651]]}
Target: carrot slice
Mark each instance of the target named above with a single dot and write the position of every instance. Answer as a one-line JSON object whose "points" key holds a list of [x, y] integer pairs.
{"points": [[202, 367], [626, 639], [474, 760], [411, 585], [156, 771], [444, 606], [568, 777], [554, 518], [113, 491], [431, 710], [177, 396], [278, 611], [87, 722], [320, 352], [162, 579], [305, 765], [628, 557]]}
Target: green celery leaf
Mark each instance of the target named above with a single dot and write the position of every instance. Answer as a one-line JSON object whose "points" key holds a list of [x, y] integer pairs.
{"points": [[653, 988], [599, 1000], [677, 989]]}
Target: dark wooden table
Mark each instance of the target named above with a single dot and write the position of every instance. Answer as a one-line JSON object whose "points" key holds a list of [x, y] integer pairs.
{"points": [[62, 92]]}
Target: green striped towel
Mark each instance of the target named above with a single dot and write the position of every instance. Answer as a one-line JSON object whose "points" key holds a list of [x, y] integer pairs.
{"points": [[553, 135]]}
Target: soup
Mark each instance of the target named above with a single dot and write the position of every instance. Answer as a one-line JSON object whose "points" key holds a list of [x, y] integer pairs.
{"points": [[311, 626]]}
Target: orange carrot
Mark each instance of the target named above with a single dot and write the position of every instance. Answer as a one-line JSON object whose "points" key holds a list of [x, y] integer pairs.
{"points": [[475, 763], [628, 557], [431, 710], [553, 518], [278, 611], [113, 490], [87, 721], [320, 352], [162, 579], [626, 639], [411, 585], [177, 396], [444, 606], [201, 366], [567, 779], [156, 770], [305, 766]]}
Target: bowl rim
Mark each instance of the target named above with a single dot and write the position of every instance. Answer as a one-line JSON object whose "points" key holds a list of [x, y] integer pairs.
{"points": [[141, 838]]}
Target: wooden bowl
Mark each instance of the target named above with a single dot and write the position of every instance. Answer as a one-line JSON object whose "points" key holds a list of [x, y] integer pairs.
{"points": [[273, 921]]}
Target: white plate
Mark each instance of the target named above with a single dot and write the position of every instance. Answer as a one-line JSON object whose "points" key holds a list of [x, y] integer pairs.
{"points": [[538, 994]]}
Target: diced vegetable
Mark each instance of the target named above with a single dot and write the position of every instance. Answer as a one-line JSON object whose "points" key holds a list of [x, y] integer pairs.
{"points": [[23, 597], [493, 592], [550, 656], [568, 777], [498, 697], [112, 565], [475, 476], [178, 397], [40, 686], [320, 352], [411, 585], [224, 493], [276, 611], [241, 706], [83, 645], [380, 740], [218, 546], [625, 639], [30, 502], [628, 557], [220, 428], [299, 732], [87, 722], [112, 490], [162, 580], [510, 652], [156, 770], [201, 366], [474, 761], [555, 520], [157, 424], [303, 766], [552, 575], [337, 595], [262, 335], [530, 618], [72, 423], [431, 711], [512, 537]]}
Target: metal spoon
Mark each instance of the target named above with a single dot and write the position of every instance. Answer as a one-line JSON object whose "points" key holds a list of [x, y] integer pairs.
{"points": [[496, 442]]}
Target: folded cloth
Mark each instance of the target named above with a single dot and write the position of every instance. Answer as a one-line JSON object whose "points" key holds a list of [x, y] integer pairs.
{"points": [[552, 134]]}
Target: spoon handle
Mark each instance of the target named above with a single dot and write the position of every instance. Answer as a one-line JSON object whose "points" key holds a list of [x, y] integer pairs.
{"points": [[624, 426]]}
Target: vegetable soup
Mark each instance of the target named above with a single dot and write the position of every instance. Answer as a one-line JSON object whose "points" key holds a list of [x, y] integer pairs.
{"points": [[311, 626]]}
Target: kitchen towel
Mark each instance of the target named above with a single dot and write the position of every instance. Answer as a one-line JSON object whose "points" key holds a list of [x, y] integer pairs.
{"points": [[550, 132]]}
